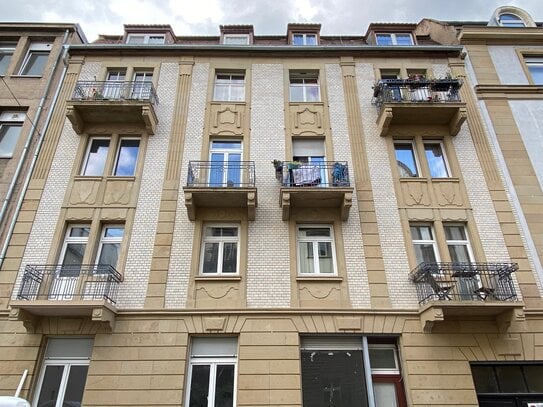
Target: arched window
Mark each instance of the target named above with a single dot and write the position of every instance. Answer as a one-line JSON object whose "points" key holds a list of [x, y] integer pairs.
{"points": [[511, 20]]}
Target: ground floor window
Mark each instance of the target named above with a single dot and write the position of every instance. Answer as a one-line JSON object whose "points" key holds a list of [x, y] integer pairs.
{"points": [[64, 372], [350, 371]]}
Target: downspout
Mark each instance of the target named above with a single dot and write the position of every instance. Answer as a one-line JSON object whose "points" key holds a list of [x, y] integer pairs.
{"points": [[27, 146]]}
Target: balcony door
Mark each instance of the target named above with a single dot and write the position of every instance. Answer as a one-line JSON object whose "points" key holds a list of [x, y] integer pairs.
{"points": [[67, 273], [312, 169], [113, 88], [141, 88], [225, 163]]}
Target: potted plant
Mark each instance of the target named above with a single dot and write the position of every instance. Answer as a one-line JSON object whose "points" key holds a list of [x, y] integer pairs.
{"points": [[278, 165]]}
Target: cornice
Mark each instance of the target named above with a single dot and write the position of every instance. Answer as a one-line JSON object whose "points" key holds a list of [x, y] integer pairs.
{"points": [[509, 91], [502, 35]]}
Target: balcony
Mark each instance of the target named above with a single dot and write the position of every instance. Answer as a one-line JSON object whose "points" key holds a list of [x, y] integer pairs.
{"points": [[220, 184], [419, 102], [320, 184], [67, 290], [126, 103], [449, 291]]}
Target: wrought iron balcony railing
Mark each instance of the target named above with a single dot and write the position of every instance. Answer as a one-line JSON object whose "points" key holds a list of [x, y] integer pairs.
{"points": [[464, 282], [313, 174], [416, 91], [74, 282], [93, 90], [221, 174]]}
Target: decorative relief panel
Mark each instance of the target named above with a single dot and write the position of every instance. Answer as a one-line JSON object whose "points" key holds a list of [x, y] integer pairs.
{"points": [[227, 119], [84, 192], [307, 119], [415, 192], [219, 294], [320, 294], [448, 193], [118, 192]]}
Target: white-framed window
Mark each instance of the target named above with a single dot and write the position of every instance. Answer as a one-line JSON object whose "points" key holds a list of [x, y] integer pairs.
{"points": [[35, 59], [220, 250], [304, 39], [386, 376], [127, 157], [212, 373], [511, 20], [11, 124], [458, 243], [63, 375], [229, 87], [424, 243], [312, 171], [109, 248], [6, 52], [114, 85], [95, 157], [75, 244], [316, 250], [145, 39], [225, 163], [394, 39], [535, 67], [406, 159], [304, 86], [436, 159], [236, 39], [141, 88]]}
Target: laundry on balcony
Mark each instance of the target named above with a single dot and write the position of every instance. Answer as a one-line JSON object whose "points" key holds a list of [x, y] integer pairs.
{"points": [[306, 175]]}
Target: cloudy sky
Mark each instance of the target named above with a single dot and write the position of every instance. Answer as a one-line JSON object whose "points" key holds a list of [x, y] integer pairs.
{"points": [[203, 17]]}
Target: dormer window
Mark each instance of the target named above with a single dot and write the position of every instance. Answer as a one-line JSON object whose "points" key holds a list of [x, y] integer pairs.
{"points": [[510, 20], [145, 39], [304, 39], [236, 39], [394, 39]]}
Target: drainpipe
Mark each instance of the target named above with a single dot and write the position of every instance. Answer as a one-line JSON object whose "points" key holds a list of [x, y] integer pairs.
{"points": [[27, 146]]}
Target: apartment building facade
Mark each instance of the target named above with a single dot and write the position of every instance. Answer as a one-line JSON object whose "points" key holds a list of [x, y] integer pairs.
{"points": [[270, 221]]}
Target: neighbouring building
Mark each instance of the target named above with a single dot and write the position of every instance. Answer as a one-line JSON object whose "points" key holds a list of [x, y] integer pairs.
{"points": [[247, 220]]}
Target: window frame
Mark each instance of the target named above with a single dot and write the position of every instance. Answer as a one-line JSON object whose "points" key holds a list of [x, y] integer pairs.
{"points": [[306, 94], [11, 119], [118, 154], [146, 38], [421, 242], [35, 48], [105, 240], [74, 240], [305, 37], [416, 161], [246, 37], [513, 23], [315, 249], [230, 84], [533, 61], [394, 38], [445, 160], [7, 49], [221, 240], [456, 242], [87, 157]]}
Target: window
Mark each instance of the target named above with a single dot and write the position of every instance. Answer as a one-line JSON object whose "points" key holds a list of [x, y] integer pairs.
{"points": [[145, 39], [458, 243], [435, 157], [96, 157], [424, 244], [11, 124], [75, 243], [36, 59], [334, 372], [6, 52], [316, 251], [535, 67], [225, 167], [143, 82], [394, 39], [304, 87], [110, 246], [220, 254], [511, 20], [229, 87], [127, 157], [64, 372], [211, 379], [114, 86], [405, 159], [304, 39], [236, 39], [312, 172]]}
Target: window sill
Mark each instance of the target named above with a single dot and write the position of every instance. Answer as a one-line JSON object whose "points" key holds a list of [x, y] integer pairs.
{"points": [[218, 277], [413, 179], [317, 102], [120, 178], [26, 76], [88, 178], [320, 278], [446, 179], [233, 102]]}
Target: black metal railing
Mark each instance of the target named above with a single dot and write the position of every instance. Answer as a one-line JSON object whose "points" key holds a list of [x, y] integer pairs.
{"points": [[221, 174], [73, 282], [93, 90], [464, 281], [416, 91], [313, 174]]}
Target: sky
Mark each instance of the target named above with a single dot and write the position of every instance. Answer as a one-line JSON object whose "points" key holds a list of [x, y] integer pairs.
{"points": [[203, 17]]}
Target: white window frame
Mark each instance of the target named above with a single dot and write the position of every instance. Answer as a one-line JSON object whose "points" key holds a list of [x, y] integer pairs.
{"points": [[74, 239], [305, 36], [87, 156], [145, 39], [415, 157], [433, 241], [39, 48], [534, 61], [228, 84], [104, 240], [221, 240], [445, 160], [315, 247], [226, 37], [11, 119], [304, 76], [226, 159], [512, 23], [393, 38], [7, 48], [454, 242], [118, 152], [379, 371], [140, 88]]}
